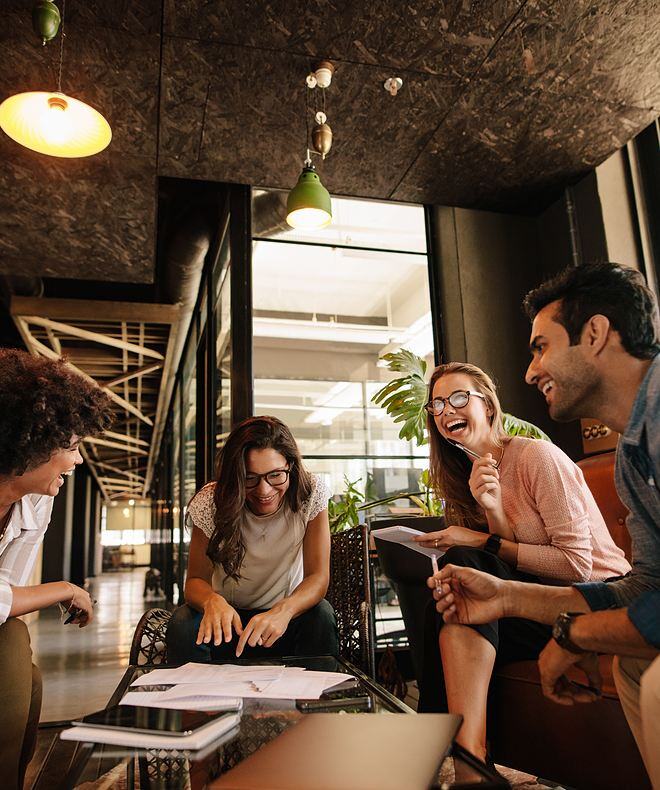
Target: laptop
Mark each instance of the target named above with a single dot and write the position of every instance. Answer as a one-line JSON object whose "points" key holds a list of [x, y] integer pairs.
{"points": [[360, 751]]}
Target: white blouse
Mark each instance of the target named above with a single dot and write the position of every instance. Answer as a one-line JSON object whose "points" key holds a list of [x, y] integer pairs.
{"points": [[273, 563], [19, 546]]}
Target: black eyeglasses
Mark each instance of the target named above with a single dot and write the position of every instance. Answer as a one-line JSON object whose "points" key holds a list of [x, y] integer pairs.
{"points": [[458, 399], [276, 477]]}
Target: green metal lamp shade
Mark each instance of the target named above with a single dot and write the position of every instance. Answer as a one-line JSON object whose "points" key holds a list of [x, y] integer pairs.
{"points": [[308, 204]]}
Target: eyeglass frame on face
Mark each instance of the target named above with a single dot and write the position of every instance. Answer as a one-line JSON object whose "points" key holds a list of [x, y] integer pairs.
{"points": [[433, 410], [250, 476]]}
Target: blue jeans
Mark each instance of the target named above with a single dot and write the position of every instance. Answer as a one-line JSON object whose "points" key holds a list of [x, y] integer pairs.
{"points": [[312, 633]]}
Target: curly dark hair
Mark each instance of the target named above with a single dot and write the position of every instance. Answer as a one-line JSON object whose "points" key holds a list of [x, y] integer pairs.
{"points": [[43, 403], [617, 292]]}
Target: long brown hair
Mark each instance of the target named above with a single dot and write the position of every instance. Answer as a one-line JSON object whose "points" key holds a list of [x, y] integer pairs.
{"points": [[450, 467], [226, 546]]}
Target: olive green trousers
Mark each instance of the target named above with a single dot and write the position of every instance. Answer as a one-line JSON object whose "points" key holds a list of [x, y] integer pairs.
{"points": [[20, 692]]}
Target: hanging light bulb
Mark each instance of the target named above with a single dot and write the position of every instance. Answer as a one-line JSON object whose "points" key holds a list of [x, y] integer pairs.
{"points": [[53, 123], [308, 204]]}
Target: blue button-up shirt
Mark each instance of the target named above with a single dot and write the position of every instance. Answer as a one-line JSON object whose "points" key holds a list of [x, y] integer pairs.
{"points": [[637, 476]]}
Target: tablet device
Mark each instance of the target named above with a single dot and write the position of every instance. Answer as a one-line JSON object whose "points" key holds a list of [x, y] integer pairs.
{"points": [[155, 721]]}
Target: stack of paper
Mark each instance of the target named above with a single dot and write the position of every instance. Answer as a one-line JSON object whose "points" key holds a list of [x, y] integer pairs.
{"points": [[220, 686], [405, 535]]}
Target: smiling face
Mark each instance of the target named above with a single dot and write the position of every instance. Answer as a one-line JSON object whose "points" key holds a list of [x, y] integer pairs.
{"points": [[265, 499], [563, 373], [470, 424], [48, 478]]}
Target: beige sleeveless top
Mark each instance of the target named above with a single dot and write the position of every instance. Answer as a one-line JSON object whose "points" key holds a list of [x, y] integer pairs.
{"points": [[273, 564]]}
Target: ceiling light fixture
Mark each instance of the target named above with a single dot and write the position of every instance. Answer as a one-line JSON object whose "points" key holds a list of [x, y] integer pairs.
{"points": [[309, 205], [53, 123]]}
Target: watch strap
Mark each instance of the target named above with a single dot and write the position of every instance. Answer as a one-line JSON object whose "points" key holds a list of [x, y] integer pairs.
{"points": [[561, 631], [493, 544]]}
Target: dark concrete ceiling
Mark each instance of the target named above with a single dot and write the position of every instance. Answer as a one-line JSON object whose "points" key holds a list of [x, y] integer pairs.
{"points": [[503, 102]]}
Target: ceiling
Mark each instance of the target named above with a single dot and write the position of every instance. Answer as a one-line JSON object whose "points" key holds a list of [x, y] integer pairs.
{"points": [[126, 348], [503, 101]]}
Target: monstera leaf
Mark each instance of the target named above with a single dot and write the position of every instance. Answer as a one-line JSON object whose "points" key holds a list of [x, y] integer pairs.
{"points": [[403, 398], [514, 426]]}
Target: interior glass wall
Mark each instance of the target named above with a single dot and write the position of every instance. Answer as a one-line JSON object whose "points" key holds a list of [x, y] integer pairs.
{"points": [[326, 306]]}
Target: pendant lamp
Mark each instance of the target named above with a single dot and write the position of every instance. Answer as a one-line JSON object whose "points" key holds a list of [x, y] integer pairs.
{"points": [[53, 123], [308, 204]]}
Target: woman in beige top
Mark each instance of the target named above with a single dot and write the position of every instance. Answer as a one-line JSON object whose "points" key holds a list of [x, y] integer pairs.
{"points": [[517, 508], [259, 561]]}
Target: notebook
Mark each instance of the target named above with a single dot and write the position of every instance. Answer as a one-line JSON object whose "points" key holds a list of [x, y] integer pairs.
{"points": [[360, 751]]}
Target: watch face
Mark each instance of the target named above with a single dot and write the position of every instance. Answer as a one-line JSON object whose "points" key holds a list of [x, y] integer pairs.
{"points": [[556, 631]]}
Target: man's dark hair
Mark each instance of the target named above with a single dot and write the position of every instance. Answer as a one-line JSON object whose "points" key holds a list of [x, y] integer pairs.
{"points": [[43, 404], [617, 292]]}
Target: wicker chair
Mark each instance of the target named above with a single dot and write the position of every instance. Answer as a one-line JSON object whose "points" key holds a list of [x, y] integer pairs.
{"points": [[349, 593], [148, 646]]}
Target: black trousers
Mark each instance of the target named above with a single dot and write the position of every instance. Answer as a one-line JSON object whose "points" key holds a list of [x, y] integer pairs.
{"points": [[312, 633], [514, 639]]}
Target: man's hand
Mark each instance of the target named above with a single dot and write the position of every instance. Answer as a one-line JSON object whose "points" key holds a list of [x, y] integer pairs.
{"points": [[554, 661], [264, 629], [218, 620], [468, 596]]}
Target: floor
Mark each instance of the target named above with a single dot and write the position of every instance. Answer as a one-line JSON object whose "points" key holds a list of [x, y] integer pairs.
{"points": [[82, 666]]}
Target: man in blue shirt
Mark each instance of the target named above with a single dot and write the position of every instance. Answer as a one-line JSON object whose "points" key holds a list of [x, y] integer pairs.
{"points": [[594, 351]]}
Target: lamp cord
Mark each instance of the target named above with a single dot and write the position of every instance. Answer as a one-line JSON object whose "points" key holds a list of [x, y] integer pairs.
{"points": [[59, 73]]}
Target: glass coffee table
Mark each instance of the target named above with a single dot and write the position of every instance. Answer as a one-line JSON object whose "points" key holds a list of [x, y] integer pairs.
{"points": [[261, 722]]}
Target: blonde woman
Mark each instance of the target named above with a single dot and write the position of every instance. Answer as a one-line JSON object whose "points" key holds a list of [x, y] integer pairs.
{"points": [[517, 508]]}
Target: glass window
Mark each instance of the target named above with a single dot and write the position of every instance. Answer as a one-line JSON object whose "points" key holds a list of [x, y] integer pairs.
{"points": [[222, 289], [355, 223], [323, 315]]}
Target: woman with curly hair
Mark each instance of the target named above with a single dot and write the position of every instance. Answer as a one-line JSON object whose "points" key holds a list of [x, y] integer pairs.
{"points": [[259, 560], [45, 411]]}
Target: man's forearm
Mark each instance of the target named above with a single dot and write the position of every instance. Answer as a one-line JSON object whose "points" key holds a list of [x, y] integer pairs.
{"points": [[612, 632], [540, 602]]}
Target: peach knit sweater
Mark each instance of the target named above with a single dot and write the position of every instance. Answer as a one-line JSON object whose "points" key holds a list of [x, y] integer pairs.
{"points": [[560, 531]]}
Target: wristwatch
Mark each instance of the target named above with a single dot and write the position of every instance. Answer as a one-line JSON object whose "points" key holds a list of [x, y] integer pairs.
{"points": [[493, 544], [561, 631]]}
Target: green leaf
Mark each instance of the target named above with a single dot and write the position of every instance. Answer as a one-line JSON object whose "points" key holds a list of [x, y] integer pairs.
{"points": [[514, 426]]}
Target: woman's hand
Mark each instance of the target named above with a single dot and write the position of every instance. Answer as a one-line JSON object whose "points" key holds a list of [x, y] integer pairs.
{"points": [[264, 629], [218, 620], [78, 600], [485, 484], [452, 536]]}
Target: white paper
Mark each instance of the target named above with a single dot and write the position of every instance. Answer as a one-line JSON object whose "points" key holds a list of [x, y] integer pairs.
{"points": [[143, 740], [209, 673], [288, 683], [404, 536], [156, 699]]}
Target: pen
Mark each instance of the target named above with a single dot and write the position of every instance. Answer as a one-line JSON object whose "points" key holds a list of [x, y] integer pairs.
{"points": [[585, 687], [434, 564], [72, 616]]}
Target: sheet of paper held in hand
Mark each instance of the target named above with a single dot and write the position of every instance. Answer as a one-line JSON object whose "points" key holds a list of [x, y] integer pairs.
{"points": [[404, 536], [197, 685]]}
